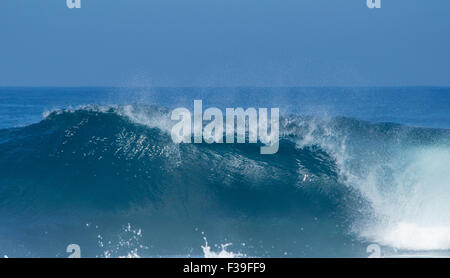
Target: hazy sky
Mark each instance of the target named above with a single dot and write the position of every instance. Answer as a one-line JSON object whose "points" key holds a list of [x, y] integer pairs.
{"points": [[224, 43]]}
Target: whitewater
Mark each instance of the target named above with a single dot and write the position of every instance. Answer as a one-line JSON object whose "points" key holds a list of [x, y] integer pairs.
{"points": [[109, 178]]}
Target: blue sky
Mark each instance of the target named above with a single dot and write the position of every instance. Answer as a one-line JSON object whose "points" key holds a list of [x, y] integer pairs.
{"points": [[224, 43]]}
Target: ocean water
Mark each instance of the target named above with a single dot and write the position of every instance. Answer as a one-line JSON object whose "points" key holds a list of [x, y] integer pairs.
{"points": [[358, 169]]}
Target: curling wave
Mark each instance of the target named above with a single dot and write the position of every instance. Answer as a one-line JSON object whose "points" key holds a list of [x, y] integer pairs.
{"points": [[377, 182]]}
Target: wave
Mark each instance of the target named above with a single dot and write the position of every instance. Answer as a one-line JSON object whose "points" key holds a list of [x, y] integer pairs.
{"points": [[378, 182]]}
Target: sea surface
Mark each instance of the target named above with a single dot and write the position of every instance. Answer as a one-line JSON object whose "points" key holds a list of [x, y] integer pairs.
{"points": [[359, 172]]}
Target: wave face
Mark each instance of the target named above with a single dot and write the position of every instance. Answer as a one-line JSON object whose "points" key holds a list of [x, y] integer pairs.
{"points": [[334, 186]]}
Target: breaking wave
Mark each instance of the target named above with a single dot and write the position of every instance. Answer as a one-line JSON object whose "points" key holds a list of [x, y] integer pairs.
{"points": [[331, 179]]}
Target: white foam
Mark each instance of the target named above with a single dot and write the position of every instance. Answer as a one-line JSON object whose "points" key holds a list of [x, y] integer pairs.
{"points": [[407, 187], [412, 210], [222, 253], [128, 242], [414, 237]]}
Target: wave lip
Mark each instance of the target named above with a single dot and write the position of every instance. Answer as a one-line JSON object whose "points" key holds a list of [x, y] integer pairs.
{"points": [[389, 182]]}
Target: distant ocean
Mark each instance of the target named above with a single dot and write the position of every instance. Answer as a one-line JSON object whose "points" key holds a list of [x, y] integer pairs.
{"points": [[97, 167]]}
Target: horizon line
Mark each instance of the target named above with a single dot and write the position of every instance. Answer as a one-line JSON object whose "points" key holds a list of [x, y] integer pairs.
{"points": [[224, 87]]}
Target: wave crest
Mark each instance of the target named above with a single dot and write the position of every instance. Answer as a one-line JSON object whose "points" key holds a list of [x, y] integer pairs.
{"points": [[391, 182]]}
